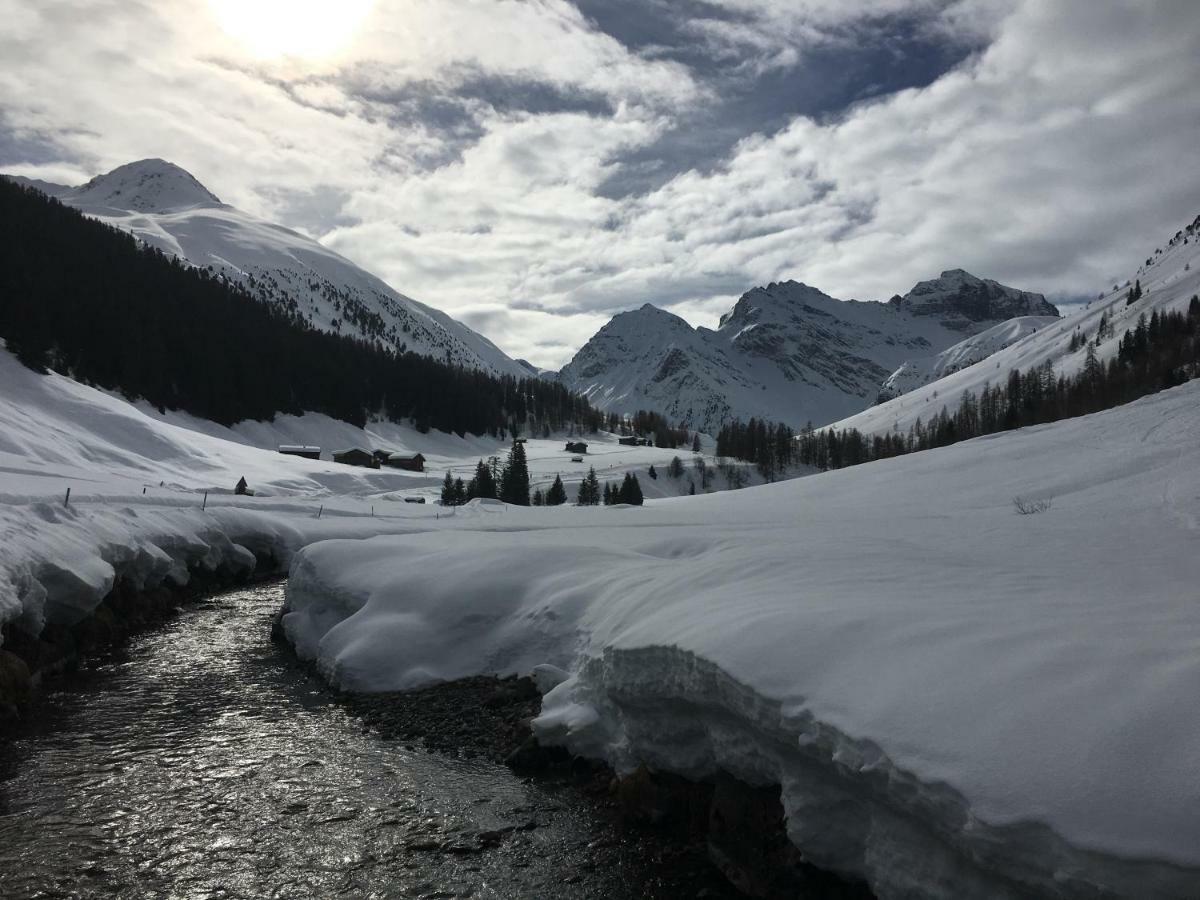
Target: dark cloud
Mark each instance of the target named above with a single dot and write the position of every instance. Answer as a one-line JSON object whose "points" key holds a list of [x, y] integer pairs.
{"points": [[755, 90]]}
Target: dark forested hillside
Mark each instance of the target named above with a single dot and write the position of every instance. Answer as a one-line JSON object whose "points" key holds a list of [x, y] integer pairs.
{"points": [[85, 299]]}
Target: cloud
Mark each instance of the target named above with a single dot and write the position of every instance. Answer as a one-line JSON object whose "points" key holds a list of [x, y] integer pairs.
{"points": [[533, 167]]}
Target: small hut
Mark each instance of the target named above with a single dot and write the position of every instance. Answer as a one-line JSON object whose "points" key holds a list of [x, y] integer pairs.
{"points": [[411, 463], [356, 456], [577, 446], [302, 450], [628, 441]]}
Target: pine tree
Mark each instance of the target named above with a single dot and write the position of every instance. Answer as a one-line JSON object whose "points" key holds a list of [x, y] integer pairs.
{"points": [[609, 500], [538, 499], [696, 442], [675, 468], [448, 491], [460, 492], [514, 481], [652, 473], [589, 489], [557, 494], [482, 484], [630, 491]]}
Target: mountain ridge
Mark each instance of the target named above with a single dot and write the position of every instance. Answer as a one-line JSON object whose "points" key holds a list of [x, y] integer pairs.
{"points": [[785, 351], [164, 206]]}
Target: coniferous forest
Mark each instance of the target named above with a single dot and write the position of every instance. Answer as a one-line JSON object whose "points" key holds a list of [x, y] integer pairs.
{"points": [[85, 299], [1160, 352]]}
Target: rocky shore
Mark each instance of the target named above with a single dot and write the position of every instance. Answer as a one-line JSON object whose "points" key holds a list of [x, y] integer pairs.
{"points": [[722, 825]]}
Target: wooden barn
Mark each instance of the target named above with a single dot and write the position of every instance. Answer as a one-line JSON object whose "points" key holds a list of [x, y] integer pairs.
{"points": [[356, 456], [577, 446], [303, 450], [410, 463]]}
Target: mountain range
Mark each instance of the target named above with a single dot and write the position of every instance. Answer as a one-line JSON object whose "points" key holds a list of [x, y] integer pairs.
{"points": [[786, 352]]}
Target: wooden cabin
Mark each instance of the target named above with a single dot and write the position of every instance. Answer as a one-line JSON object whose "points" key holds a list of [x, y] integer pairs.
{"points": [[410, 463], [576, 446], [302, 450], [629, 441], [356, 456]]}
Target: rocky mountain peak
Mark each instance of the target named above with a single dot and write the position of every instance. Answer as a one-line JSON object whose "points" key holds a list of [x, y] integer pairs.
{"points": [[147, 186], [959, 300]]}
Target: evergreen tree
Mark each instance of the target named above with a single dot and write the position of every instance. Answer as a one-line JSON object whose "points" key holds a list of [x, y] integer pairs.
{"points": [[460, 492], [652, 473], [675, 467], [630, 491], [514, 481], [538, 499], [589, 489], [609, 500], [448, 491], [557, 494], [483, 484], [696, 442]]}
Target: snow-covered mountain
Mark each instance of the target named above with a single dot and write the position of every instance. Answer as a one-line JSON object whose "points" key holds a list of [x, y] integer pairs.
{"points": [[787, 352], [1169, 277], [165, 207], [916, 372]]}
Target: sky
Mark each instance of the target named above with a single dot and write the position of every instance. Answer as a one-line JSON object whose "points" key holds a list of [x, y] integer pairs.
{"points": [[535, 166]]}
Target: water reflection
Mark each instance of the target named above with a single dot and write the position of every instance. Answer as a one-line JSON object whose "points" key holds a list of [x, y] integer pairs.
{"points": [[199, 763]]}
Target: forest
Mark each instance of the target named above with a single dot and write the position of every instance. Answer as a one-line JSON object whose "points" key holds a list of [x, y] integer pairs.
{"points": [[87, 300]]}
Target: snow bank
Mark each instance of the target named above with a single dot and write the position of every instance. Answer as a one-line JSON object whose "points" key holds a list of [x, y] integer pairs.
{"points": [[57, 563], [956, 699]]}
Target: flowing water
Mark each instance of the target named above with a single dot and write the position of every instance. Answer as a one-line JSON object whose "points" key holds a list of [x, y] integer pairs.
{"points": [[200, 762]]}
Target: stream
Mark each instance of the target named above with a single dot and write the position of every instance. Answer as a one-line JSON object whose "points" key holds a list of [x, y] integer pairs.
{"points": [[200, 761]]}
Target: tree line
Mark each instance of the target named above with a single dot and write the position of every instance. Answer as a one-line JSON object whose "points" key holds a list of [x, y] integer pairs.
{"points": [[88, 300], [1161, 351], [509, 482]]}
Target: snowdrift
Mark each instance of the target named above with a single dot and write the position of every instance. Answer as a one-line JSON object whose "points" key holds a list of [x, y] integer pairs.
{"points": [[957, 700]]}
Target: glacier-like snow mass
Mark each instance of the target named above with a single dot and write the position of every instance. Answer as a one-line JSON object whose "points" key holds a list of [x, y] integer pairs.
{"points": [[956, 699]]}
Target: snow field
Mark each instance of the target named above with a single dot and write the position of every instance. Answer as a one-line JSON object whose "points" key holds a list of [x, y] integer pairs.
{"points": [[956, 699]]}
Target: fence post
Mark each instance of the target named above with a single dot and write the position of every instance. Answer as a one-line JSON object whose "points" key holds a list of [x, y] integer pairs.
{"points": [[321, 510], [67, 499], [204, 505]]}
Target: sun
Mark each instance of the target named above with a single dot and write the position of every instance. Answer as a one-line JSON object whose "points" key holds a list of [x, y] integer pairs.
{"points": [[303, 28]]}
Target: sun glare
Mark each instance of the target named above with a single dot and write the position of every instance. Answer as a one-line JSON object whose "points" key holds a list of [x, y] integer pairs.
{"points": [[302, 28]]}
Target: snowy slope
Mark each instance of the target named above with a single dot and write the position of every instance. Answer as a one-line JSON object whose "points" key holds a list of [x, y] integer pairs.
{"points": [[1170, 277], [165, 207], [786, 352], [958, 701], [138, 479], [916, 372]]}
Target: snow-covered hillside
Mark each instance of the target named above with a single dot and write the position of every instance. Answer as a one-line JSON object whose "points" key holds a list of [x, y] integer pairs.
{"points": [[138, 479], [786, 352], [957, 700], [165, 207], [916, 372], [1169, 277]]}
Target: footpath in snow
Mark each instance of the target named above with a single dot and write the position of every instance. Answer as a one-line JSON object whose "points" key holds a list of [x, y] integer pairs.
{"points": [[957, 700]]}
